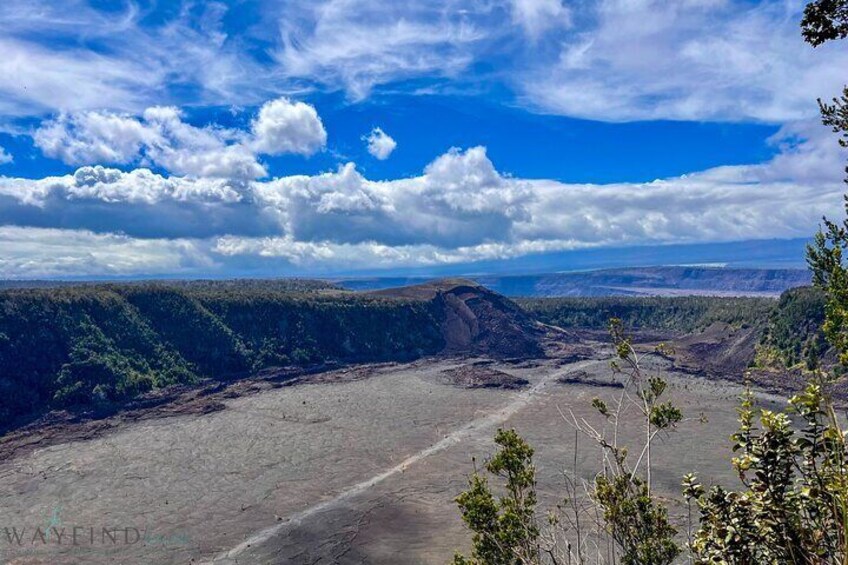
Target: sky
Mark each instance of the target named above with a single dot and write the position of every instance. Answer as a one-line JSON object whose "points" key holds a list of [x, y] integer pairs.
{"points": [[330, 137]]}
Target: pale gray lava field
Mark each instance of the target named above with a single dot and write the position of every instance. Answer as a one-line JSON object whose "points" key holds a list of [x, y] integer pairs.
{"points": [[360, 470]]}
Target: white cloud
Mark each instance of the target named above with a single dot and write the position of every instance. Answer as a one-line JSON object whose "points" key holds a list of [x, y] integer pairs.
{"points": [[93, 137], [695, 60], [27, 252], [459, 200], [327, 256], [380, 144], [161, 138], [70, 57], [114, 186], [283, 126], [139, 203], [209, 151], [538, 16], [35, 79], [5, 157], [142, 185], [692, 60], [358, 44], [461, 209]]}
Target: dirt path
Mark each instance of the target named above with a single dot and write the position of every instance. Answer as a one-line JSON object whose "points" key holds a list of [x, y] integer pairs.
{"points": [[475, 428]]}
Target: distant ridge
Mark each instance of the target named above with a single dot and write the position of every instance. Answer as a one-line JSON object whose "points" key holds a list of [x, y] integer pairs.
{"points": [[636, 281], [632, 281]]}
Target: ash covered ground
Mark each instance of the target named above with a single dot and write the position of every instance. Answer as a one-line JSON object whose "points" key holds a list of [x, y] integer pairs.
{"points": [[353, 466]]}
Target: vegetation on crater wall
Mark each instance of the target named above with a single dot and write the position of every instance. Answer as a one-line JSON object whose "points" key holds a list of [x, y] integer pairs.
{"points": [[681, 314], [107, 343]]}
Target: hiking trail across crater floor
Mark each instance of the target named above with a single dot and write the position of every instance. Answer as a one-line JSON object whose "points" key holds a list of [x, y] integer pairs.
{"points": [[482, 425]]}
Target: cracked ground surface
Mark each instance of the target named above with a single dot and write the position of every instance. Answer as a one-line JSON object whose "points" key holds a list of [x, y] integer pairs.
{"points": [[361, 471]]}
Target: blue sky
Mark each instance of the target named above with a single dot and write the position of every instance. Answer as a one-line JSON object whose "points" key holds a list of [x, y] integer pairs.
{"points": [[352, 136], [522, 143]]}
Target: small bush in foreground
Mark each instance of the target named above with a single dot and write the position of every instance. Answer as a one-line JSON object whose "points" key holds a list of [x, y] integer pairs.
{"points": [[505, 529]]}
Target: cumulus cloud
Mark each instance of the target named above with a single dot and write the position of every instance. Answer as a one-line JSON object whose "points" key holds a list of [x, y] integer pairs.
{"points": [[460, 199], [208, 151], [5, 157], [462, 190], [283, 126], [160, 137], [115, 186], [380, 144], [460, 209], [93, 137], [138, 203]]}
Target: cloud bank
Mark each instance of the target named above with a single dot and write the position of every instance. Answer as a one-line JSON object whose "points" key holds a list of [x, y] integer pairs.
{"points": [[460, 209]]}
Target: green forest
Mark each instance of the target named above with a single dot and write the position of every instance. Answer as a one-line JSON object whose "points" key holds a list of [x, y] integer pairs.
{"points": [[790, 327], [87, 344], [679, 314]]}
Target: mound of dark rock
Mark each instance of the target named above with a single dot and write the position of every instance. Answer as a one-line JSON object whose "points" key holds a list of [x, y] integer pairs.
{"points": [[482, 376], [566, 353], [584, 378]]}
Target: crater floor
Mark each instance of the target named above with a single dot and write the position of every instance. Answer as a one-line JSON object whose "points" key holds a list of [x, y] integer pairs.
{"points": [[334, 471]]}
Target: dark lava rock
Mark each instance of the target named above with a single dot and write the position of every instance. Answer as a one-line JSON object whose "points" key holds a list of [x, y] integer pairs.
{"points": [[584, 378], [477, 376]]}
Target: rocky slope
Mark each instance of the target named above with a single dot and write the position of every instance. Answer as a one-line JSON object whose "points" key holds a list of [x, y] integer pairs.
{"points": [[475, 320]]}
